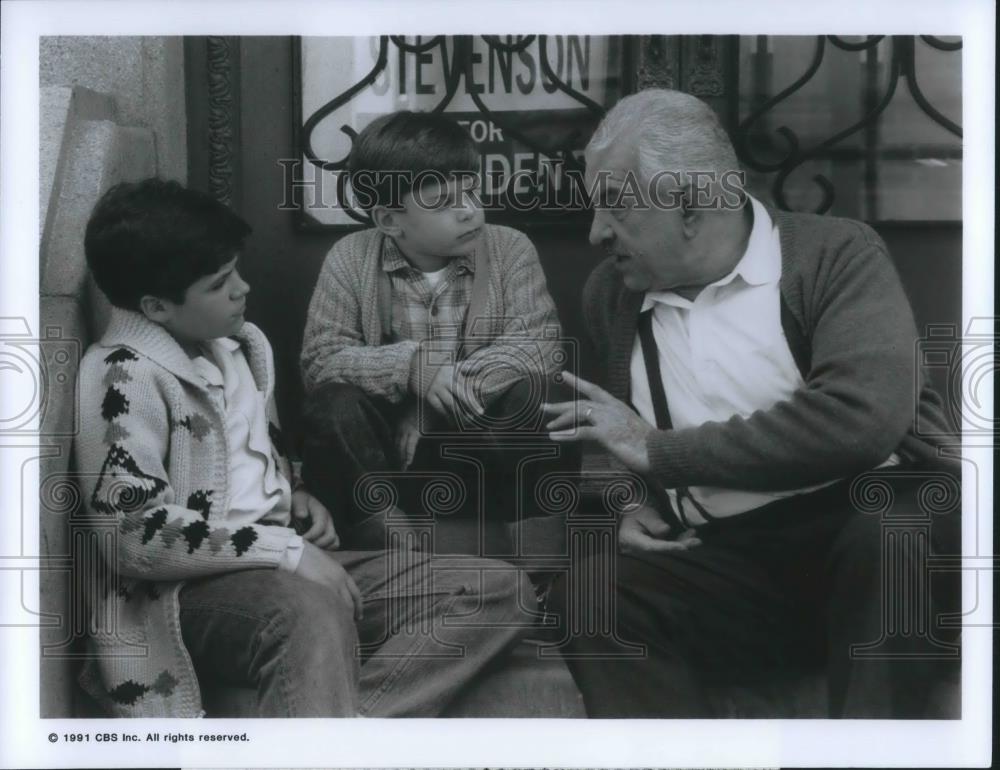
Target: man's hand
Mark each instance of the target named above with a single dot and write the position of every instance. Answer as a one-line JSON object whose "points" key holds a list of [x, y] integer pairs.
{"points": [[643, 531], [407, 435], [604, 419], [312, 520], [450, 389], [320, 567]]}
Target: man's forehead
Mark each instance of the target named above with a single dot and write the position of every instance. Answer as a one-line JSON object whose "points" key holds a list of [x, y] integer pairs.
{"points": [[615, 161]]}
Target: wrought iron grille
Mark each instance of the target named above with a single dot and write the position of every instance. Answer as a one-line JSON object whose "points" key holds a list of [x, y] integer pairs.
{"points": [[774, 155], [790, 161], [457, 54]]}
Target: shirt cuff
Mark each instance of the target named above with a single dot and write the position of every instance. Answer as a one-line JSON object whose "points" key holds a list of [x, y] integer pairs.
{"points": [[293, 554]]}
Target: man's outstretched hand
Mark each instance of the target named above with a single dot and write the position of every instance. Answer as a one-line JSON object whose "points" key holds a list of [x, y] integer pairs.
{"points": [[604, 419]]}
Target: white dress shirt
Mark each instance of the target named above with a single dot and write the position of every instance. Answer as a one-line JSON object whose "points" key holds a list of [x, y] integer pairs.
{"points": [[258, 491], [723, 354]]}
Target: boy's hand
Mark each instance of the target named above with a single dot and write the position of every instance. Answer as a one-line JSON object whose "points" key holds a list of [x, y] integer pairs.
{"points": [[645, 531], [320, 567], [407, 436], [448, 389], [313, 521]]}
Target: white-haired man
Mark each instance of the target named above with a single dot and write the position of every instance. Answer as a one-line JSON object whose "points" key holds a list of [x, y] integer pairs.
{"points": [[786, 347]]}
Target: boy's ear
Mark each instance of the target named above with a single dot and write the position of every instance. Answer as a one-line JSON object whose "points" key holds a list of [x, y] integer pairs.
{"points": [[386, 221], [154, 308]]}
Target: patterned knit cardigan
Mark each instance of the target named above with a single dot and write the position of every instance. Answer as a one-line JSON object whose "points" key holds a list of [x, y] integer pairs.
{"points": [[153, 457], [514, 323]]}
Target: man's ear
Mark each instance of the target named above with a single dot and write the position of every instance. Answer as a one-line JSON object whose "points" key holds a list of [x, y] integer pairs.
{"points": [[691, 215], [154, 308], [387, 221]]}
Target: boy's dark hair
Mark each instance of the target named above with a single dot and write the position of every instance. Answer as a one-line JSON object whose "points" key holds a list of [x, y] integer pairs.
{"points": [[156, 237], [397, 152]]}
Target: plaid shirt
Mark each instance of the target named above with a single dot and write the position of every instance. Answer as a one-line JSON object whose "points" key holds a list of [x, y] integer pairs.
{"points": [[345, 339], [420, 312]]}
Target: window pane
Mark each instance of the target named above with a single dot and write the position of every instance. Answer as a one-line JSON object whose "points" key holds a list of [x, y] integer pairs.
{"points": [[850, 137]]}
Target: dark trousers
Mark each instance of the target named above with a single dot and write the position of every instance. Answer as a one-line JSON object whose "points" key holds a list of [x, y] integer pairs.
{"points": [[480, 472], [768, 594]]}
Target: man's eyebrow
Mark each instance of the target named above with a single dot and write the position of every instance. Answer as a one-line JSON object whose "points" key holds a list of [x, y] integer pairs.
{"points": [[608, 189]]}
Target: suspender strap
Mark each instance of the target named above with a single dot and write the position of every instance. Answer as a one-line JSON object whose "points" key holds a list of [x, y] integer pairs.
{"points": [[651, 358]]}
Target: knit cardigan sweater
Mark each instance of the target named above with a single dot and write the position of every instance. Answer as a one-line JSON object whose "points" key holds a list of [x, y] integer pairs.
{"points": [[154, 464], [850, 329], [514, 326]]}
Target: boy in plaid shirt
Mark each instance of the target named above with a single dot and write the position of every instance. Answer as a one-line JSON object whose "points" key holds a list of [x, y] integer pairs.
{"points": [[430, 321]]}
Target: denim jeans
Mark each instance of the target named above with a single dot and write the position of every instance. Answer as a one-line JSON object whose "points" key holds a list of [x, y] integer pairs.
{"points": [[430, 626]]}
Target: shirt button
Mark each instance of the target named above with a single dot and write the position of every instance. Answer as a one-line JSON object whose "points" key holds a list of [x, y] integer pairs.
{"points": [[434, 311]]}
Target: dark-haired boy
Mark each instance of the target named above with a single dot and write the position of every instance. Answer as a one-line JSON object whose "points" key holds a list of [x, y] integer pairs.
{"points": [[213, 581], [429, 316]]}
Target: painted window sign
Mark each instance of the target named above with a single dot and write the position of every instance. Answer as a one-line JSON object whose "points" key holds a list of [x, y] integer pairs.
{"points": [[530, 102]]}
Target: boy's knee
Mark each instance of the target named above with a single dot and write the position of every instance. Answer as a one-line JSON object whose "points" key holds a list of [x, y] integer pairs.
{"points": [[333, 404], [516, 585], [508, 586], [522, 397], [312, 615], [310, 644]]}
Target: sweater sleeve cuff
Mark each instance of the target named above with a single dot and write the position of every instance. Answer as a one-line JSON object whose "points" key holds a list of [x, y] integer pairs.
{"points": [[271, 544], [293, 554], [670, 458]]}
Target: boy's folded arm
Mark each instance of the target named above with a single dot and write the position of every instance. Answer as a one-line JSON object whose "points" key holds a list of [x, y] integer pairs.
{"points": [[382, 371], [531, 332], [170, 542], [334, 349], [158, 537]]}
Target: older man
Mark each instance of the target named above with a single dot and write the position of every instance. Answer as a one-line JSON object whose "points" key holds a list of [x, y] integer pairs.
{"points": [[756, 362]]}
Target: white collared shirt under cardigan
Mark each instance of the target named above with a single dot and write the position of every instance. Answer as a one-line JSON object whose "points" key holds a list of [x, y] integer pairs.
{"points": [[723, 354]]}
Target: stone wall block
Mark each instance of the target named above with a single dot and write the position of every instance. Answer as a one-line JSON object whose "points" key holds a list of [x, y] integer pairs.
{"points": [[101, 154]]}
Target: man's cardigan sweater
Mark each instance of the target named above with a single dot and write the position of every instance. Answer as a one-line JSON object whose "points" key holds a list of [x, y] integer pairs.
{"points": [[154, 463], [511, 325], [851, 331]]}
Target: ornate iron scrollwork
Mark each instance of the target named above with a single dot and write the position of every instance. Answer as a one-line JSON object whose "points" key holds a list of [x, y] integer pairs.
{"points": [[902, 65], [221, 137], [706, 77], [656, 66], [457, 65]]}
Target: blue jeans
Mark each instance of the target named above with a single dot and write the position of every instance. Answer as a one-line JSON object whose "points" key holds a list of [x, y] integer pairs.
{"points": [[429, 627]]}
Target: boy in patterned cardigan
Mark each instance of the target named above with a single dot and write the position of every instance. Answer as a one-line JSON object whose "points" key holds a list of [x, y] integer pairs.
{"points": [[225, 568], [428, 329]]}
